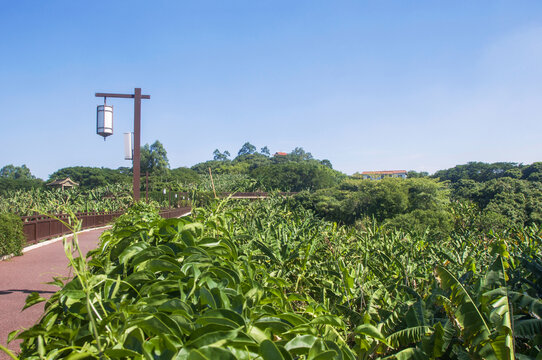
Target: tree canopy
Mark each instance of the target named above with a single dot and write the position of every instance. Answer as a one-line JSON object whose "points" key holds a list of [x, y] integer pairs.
{"points": [[480, 171], [16, 172], [414, 204], [218, 156], [295, 171], [246, 149], [154, 158], [91, 177]]}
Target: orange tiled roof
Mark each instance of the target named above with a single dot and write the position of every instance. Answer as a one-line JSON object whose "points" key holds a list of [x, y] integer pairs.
{"points": [[280, 153]]}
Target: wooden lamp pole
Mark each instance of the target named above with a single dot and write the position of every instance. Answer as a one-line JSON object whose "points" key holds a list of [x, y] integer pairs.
{"points": [[137, 133]]}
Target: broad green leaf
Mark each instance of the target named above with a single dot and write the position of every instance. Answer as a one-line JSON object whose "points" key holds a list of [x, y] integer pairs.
{"points": [[292, 318], [328, 320], [217, 339], [156, 265], [271, 323], [300, 344], [325, 355], [233, 317], [270, 351], [317, 349], [210, 353], [408, 336], [12, 335], [474, 326], [121, 353], [33, 299], [409, 354], [528, 328], [131, 251], [371, 331]]}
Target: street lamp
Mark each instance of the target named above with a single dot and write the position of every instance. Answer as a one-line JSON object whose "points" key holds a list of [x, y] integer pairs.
{"points": [[105, 119]]}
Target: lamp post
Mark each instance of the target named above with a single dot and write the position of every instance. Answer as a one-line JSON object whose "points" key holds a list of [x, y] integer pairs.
{"points": [[137, 128]]}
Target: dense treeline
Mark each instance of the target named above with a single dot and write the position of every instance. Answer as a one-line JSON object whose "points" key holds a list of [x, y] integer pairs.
{"points": [[414, 204], [502, 194], [481, 172], [420, 204], [252, 171], [294, 171]]}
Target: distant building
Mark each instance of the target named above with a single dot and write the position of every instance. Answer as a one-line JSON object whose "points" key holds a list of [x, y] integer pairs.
{"points": [[280, 154], [379, 175], [63, 183]]}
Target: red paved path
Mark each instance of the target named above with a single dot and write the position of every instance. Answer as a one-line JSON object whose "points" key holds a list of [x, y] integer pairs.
{"points": [[21, 275]]}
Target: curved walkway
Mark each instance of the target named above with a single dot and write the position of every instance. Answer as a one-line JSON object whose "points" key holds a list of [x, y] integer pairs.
{"points": [[21, 275]]}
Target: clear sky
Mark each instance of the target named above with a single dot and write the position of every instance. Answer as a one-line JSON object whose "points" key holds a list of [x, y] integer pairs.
{"points": [[369, 85]]}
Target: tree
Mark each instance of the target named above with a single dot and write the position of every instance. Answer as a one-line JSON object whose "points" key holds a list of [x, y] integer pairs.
{"points": [[517, 201], [533, 172], [415, 174], [327, 163], [91, 177], [295, 176], [154, 158], [477, 171], [298, 154], [414, 204], [184, 175], [218, 156], [265, 151], [16, 172], [246, 149]]}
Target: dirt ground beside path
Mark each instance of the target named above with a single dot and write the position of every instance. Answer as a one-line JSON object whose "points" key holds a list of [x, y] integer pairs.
{"points": [[21, 275]]}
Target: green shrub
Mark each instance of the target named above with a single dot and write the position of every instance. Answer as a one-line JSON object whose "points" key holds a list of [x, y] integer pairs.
{"points": [[11, 234]]}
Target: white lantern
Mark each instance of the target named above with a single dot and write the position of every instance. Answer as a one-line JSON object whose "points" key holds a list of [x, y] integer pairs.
{"points": [[128, 148], [104, 120]]}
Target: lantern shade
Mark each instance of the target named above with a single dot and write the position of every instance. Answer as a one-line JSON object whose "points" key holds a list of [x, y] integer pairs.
{"points": [[104, 120], [128, 147]]}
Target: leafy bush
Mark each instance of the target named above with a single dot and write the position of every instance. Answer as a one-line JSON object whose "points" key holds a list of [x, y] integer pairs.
{"points": [[269, 281], [412, 204], [12, 238], [179, 289], [519, 201], [55, 201], [296, 176]]}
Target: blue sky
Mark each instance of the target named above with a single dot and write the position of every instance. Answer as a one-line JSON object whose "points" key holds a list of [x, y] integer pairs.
{"points": [[369, 85]]}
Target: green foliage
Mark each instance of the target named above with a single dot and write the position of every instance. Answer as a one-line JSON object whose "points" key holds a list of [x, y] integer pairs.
{"points": [[16, 172], [269, 280], [478, 171], [218, 156], [299, 154], [19, 184], [515, 201], [176, 289], [183, 175], [247, 149], [412, 204], [296, 171], [17, 178], [90, 177], [415, 174], [12, 238], [296, 176], [154, 158], [438, 223], [179, 179], [532, 172], [265, 151], [56, 201]]}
